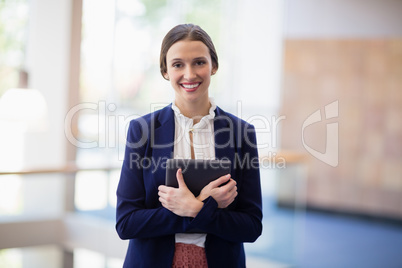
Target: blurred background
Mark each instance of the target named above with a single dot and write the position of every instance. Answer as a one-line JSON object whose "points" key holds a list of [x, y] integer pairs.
{"points": [[320, 79]]}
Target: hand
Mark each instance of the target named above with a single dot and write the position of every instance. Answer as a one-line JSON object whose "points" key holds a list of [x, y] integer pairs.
{"points": [[223, 195], [180, 201]]}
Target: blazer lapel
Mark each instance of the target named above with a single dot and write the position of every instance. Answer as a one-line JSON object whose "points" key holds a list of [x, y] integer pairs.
{"points": [[161, 144], [163, 135], [224, 136]]}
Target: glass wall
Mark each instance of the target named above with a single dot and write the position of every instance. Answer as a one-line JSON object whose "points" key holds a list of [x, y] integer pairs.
{"points": [[13, 33]]}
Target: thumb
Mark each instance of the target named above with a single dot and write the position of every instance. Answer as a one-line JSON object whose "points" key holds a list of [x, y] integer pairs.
{"points": [[180, 179]]}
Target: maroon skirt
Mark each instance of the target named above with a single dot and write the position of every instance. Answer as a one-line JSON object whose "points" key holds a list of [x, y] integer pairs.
{"points": [[189, 256]]}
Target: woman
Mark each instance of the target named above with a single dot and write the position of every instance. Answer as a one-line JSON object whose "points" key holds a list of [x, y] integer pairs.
{"points": [[158, 219]]}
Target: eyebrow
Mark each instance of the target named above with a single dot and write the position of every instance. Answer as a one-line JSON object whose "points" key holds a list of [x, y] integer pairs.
{"points": [[175, 59], [201, 58], [195, 59]]}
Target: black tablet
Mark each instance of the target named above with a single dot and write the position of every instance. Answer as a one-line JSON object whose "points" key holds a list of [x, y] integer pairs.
{"points": [[197, 173]]}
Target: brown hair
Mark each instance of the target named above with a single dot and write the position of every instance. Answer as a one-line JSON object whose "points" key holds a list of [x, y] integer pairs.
{"points": [[186, 32]]}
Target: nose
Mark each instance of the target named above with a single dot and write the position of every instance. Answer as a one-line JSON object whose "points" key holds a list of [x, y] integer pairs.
{"points": [[189, 73]]}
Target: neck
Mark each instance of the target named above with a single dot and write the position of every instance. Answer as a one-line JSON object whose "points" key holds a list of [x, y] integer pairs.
{"points": [[194, 110]]}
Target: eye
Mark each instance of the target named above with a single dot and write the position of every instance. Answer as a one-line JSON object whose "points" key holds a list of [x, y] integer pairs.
{"points": [[177, 65], [200, 62]]}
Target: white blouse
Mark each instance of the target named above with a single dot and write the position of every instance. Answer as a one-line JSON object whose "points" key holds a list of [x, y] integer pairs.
{"points": [[204, 148]]}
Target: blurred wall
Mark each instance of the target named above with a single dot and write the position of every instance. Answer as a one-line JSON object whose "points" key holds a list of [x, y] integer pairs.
{"points": [[350, 52]]}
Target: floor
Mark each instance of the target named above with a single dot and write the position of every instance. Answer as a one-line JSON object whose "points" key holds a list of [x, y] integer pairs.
{"points": [[290, 239], [322, 240], [336, 241]]}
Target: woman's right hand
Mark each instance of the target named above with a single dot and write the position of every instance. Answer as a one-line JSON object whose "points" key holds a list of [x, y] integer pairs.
{"points": [[223, 195]]}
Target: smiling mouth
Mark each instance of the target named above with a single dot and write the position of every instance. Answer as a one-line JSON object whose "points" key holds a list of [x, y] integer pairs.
{"points": [[190, 87]]}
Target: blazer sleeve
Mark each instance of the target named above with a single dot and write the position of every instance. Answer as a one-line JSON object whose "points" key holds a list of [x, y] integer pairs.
{"points": [[134, 218], [242, 221]]}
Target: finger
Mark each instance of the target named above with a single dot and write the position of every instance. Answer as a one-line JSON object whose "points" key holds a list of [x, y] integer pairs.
{"points": [[233, 192], [180, 179], [162, 188], [161, 194], [229, 186], [218, 182], [162, 200], [164, 204], [165, 199], [166, 191]]}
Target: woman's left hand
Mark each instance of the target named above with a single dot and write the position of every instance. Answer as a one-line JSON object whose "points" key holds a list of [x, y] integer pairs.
{"points": [[180, 201]]}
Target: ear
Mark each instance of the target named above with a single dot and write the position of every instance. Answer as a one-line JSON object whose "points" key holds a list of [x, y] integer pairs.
{"points": [[214, 69], [166, 76]]}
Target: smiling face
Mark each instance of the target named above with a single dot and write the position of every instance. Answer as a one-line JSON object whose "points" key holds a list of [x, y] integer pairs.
{"points": [[189, 69]]}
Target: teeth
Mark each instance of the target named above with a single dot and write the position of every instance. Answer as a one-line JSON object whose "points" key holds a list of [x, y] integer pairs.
{"points": [[190, 86]]}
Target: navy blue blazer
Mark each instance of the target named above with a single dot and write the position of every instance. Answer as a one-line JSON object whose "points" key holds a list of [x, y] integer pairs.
{"points": [[151, 228]]}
